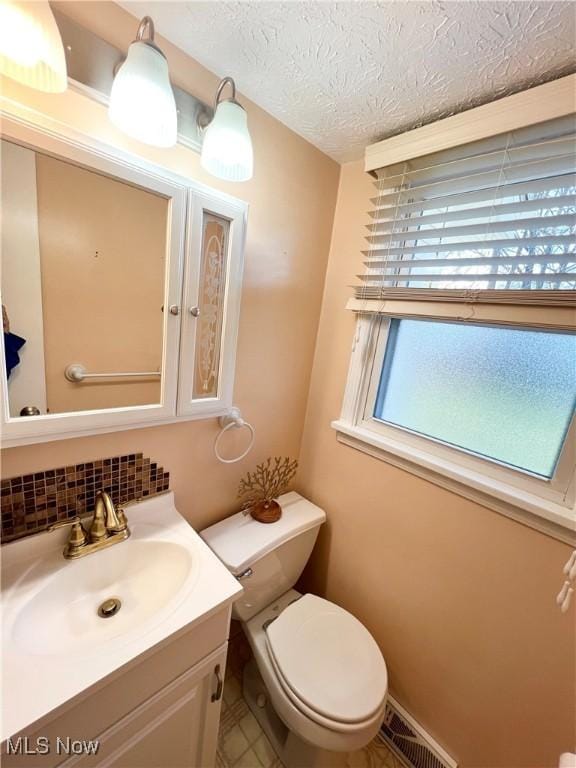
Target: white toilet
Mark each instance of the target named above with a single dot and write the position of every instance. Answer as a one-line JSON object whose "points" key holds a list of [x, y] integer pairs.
{"points": [[319, 683]]}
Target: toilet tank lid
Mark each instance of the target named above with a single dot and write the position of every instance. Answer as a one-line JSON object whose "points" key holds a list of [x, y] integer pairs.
{"points": [[240, 540]]}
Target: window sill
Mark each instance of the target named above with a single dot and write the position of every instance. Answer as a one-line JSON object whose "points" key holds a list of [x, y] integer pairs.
{"points": [[545, 516]]}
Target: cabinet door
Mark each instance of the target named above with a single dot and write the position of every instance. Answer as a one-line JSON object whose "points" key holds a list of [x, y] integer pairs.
{"points": [[97, 298], [176, 728], [211, 304]]}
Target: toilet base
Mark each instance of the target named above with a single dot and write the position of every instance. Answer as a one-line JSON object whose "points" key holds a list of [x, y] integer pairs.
{"points": [[258, 700], [292, 751]]}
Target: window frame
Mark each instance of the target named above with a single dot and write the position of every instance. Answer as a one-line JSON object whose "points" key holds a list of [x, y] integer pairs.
{"points": [[542, 503]]}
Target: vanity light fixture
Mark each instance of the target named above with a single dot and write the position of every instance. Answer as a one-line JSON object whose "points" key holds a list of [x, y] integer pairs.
{"points": [[31, 49], [142, 102], [227, 147]]}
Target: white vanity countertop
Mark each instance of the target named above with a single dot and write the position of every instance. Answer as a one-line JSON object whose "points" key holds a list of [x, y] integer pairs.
{"points": [[54, 646]]}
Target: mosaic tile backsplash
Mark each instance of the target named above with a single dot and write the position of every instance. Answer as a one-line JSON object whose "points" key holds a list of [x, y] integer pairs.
{"points": [[30, 503]]}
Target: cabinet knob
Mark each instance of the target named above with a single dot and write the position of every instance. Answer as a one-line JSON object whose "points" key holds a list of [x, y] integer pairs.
{"points": [[30, 410], [195, 311], [174, 309]]}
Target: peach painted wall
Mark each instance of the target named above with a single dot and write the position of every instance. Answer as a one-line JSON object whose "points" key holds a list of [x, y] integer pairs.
{"points": [[291, 198], [459, 598], [103, 257]]}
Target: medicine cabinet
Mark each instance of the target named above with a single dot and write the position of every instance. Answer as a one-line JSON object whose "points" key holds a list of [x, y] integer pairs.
{"points": [[120, 287]]}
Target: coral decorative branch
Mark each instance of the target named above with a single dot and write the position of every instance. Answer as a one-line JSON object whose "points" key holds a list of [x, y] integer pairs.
{"points": [[259, 488]]}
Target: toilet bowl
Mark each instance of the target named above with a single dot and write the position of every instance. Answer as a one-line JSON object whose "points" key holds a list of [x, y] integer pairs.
{"points": [[313, 696], [320, 687]]}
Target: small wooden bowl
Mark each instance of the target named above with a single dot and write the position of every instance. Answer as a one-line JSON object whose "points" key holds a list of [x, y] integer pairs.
{"points": [[266, 511]]}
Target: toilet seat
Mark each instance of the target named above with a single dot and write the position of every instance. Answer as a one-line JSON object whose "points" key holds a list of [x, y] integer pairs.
{"points": [[328, 664]]}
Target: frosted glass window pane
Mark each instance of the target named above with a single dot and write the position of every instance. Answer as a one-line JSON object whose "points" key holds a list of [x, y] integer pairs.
{"points": [[504, 393]]}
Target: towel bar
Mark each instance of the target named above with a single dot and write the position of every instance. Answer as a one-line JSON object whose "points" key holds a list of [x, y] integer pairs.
{"points": [[76, 372]]}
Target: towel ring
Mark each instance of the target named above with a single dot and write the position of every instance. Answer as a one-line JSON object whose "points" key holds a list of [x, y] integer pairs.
{"points": [[233, 419]]}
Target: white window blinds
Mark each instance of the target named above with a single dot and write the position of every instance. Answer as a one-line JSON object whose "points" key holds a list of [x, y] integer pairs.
{"points": [[480, 220]]}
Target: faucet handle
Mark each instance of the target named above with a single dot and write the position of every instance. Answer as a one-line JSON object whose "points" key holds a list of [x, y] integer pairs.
{"points": [[78, 537], [122, 519], [62, 524]]}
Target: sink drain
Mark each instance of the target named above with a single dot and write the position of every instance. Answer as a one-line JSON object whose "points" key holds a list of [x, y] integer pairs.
{"points": [[109, 608]]}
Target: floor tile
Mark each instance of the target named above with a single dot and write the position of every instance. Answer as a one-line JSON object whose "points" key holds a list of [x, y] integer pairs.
{"points": [[249, 760], [233, 745], [239, 709], [232, 690], [265, 752], [250, 727], [381, 755], [359, 759], [227, 721], [393, 761]]}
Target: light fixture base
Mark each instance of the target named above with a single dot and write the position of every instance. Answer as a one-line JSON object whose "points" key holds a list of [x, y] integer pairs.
{"points": [[92, 63]]}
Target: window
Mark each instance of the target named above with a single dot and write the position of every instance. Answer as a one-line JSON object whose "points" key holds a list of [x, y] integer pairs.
{"points": [[464, 363], [506, 394]]}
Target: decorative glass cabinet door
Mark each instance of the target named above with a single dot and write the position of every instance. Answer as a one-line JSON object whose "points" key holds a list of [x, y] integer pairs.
{"points": [[212, 286]]}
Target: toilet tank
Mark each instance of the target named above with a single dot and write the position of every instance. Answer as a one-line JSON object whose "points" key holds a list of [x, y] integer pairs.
{"points": [[275, 553]]}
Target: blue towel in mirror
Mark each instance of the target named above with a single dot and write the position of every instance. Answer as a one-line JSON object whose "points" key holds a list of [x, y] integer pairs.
{"points": [[12, 345]]}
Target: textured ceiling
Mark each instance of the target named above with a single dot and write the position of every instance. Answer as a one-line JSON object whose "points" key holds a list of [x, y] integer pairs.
{"points": [[345, 74]]}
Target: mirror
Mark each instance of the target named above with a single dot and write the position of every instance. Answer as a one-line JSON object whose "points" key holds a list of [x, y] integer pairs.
{"points": [[83, 258]]}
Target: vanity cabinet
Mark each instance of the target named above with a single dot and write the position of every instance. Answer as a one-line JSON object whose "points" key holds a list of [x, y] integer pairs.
{"points": [[160, 711], [175, 728]]}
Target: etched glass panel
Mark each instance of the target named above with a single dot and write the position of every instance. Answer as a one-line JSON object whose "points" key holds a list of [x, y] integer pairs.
{"points": [[504, 393], [211, 294]]}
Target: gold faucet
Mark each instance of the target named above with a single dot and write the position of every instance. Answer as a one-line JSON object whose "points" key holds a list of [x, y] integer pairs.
{"points": [[109, 526]]}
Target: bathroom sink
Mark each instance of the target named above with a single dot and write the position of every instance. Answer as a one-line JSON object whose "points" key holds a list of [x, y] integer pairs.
{"points": [[146, 577], [56, 645]]}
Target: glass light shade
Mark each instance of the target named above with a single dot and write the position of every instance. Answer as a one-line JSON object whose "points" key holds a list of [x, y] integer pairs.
{"points": [[31, 49], [227, 146], [142, 101]]}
